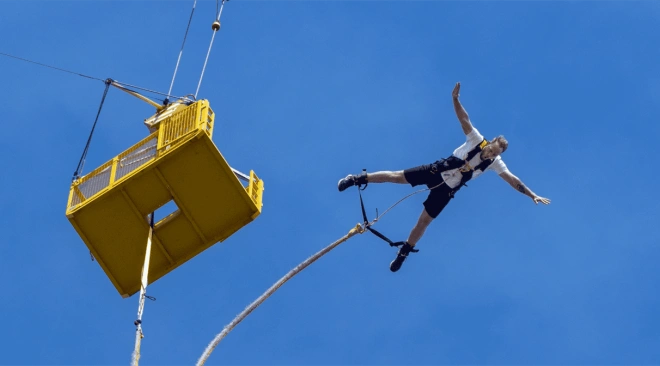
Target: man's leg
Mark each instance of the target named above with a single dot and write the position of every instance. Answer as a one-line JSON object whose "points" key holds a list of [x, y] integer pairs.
{"points": [[387, 177], [422, 223], [376, 177], [434, 204], [408, 246]]}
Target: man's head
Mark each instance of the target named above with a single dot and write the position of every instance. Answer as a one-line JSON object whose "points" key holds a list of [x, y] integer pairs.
{"points": [[497, 146]]}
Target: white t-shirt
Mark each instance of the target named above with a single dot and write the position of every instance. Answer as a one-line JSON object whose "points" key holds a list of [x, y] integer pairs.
{"points": [[453, 177]]}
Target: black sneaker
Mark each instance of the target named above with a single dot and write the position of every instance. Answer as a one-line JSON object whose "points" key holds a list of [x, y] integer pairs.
{"points": [[352, 180], [401, 256]]}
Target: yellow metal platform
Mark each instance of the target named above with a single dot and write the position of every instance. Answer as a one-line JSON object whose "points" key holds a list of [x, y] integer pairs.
{"points": [[110, 206]]}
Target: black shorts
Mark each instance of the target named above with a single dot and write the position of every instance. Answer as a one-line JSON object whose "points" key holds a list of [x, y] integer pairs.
{"points": [[429, 175]]}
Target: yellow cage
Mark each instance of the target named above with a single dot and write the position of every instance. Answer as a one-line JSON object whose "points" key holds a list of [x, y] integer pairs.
{"points": [[110, 206]]}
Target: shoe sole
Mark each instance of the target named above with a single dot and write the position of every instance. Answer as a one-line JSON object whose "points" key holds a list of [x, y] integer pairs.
{"points": [[397, 263], [339, 185]]}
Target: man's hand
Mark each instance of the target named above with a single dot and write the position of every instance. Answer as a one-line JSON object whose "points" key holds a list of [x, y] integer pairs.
{"points": [[538, 199], [457, 88]]}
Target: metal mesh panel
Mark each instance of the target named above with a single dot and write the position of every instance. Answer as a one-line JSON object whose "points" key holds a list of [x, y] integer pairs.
{"points": [[136, 156], [93, 183]]}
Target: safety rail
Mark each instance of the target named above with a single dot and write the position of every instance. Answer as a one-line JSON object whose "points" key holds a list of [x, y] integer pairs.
{"points": [[188, 120], [133, 158], [255, 189], [171, 131]]}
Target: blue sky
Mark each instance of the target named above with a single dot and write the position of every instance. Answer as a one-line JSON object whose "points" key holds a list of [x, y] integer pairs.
{"points": [[306, 92]]}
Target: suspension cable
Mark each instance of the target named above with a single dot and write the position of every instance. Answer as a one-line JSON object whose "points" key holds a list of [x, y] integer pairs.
{"points": [[90, 77], [215, 27], [181, 51], [52, 67], [81, 163]]}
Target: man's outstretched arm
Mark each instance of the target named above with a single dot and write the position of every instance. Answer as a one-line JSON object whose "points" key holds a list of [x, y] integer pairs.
{"points": [[516, 183], [460, 111]]}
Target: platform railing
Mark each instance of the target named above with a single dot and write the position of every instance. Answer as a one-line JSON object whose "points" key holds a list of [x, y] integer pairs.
{"points": [[171, 131]]}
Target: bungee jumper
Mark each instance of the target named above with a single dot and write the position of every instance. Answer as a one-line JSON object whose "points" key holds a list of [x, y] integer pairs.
{"points": [[444, 178]]}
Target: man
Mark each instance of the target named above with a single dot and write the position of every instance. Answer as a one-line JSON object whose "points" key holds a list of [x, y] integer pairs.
{"points": [[446, 176]]}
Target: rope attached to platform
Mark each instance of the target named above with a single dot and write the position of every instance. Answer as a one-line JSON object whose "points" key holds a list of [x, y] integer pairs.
{"points": [[135, 357]]}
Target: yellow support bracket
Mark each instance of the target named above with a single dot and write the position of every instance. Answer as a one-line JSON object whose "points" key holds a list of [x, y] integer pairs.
{"points": [[137, 95]]}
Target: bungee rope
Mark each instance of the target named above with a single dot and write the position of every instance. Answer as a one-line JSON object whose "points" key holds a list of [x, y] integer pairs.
{"points": [[358, 229]]}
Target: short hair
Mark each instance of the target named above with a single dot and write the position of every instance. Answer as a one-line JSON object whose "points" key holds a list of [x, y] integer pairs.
{"points": [[504, 144]]}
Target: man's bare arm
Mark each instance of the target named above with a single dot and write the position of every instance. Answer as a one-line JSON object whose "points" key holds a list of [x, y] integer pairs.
{"points": [[516, 183], [460, 111]]}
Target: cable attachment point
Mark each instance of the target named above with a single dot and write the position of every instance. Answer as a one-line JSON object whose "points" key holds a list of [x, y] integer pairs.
{"points": [[150, 297], [216, 25]]}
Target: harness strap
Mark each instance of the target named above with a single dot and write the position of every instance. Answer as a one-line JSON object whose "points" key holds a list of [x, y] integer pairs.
{"points": [[375, 232], [477, 149], [467, 174]]}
